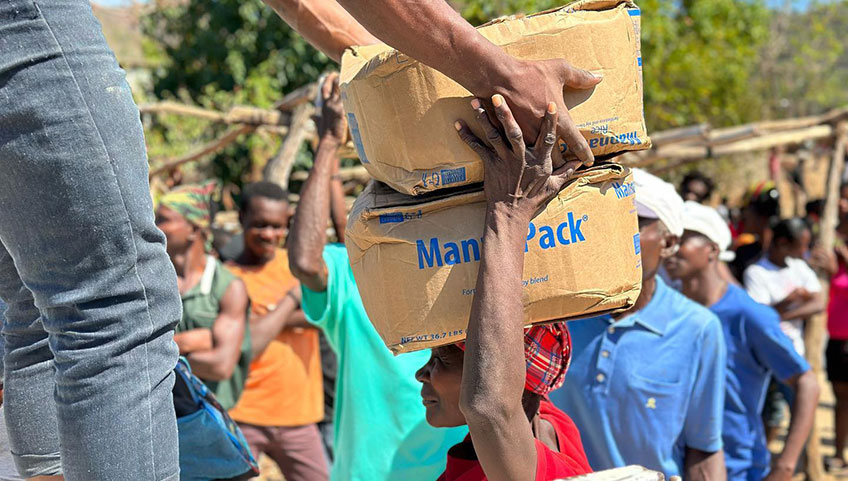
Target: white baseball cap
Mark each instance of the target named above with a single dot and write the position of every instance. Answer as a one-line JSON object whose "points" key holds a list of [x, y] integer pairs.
{"points": [[657, 199], [708, 222]]}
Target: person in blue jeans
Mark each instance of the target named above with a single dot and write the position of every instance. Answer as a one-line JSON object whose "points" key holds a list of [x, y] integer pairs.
{"points": [[646, 386], [92, 296], [757, 348]]}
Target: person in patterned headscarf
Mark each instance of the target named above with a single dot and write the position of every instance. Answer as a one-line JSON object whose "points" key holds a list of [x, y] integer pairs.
{"points": [[497, 380], [213, 332]]}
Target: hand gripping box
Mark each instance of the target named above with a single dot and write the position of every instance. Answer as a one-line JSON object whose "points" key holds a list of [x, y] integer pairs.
{"points": [[401, 113], [415, 259]]}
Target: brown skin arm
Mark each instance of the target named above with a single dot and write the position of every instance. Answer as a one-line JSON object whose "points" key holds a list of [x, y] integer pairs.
{"points": [[287, 315], [309, 229], [813, 305], [704, 466], [219, 362], [324, 24], [800, 424], [519, 181], [338, 208], [194, 340], [436, 35]]}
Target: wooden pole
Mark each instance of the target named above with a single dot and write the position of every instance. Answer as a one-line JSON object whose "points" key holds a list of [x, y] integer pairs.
{"points": [[814, 334], [204, 150], [279, 168]]}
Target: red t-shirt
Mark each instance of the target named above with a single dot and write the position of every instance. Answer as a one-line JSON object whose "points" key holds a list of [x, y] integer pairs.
{"points": [[550, 465]]}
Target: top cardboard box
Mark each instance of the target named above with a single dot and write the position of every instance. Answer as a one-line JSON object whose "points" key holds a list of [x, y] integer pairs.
{"points": [[401, 112]]}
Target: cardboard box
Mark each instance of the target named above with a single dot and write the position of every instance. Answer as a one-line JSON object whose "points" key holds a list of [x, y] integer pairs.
{"points": [[416, 259], [401, 113]]}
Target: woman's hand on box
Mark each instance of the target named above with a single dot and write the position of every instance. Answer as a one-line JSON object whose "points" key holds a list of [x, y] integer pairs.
{"points": [[519, 180]]}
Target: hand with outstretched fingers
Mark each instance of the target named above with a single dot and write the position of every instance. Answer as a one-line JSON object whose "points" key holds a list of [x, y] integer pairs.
{"points": [[517, 178]]}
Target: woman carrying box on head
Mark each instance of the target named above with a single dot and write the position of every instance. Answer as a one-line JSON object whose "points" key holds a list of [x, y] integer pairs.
{"points": [[497, 380]]}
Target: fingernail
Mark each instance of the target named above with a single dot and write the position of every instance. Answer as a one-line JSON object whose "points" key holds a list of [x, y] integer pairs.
{"points": [[598, 76], [457, 125], [497, 100], [569, 172], [552, 108], [475, 103]]}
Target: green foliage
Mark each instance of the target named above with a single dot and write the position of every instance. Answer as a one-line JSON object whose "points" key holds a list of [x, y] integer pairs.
{"points": [[218, 54]]}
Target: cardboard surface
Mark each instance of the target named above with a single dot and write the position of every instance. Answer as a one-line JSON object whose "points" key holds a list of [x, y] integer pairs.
{"points": [[401, 113], [416, 259]]}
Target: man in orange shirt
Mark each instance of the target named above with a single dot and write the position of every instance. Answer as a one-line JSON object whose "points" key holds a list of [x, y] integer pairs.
{"points": [[283, 397]]}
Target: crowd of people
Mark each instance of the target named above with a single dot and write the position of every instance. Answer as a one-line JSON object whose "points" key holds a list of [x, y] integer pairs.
{"points": [[104, 289]]}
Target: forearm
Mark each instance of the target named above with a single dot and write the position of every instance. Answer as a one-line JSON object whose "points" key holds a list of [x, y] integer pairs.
{"points": [[324, 24], [309, 231], [801, 421], [338, 208], [264, 329], [496, 322], [703, 466], [436, 35], [808, 309], [194, 340], [297, 320], [213, 364]]}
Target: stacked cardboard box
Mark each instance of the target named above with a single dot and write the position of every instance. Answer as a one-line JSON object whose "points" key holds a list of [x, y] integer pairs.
{"points": [[414, 236]]}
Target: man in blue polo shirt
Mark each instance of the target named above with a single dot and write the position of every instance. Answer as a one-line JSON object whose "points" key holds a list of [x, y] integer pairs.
{"points": [[756, 349], [646, 387]]}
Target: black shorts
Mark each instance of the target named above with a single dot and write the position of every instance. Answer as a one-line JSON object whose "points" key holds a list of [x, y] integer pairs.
{"points": [[837, 360]]}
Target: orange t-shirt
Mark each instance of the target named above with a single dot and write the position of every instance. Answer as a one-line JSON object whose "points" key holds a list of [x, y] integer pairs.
{"points": [[284, 384]]}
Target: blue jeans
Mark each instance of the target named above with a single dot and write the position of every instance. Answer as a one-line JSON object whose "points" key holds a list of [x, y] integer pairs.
{"points": [[91, 293]]}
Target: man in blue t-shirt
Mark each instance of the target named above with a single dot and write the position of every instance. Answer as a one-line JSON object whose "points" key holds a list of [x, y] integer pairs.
{"points": [[646, 386], [756, 349]]}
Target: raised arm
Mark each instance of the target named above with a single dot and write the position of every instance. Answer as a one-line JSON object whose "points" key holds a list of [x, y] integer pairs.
{"points": [[436, 35], [518, 183], [309, 229], [218, 363]]}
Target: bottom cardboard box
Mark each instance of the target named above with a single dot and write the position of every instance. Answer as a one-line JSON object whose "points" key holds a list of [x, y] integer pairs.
{"points": [[415, 259]]}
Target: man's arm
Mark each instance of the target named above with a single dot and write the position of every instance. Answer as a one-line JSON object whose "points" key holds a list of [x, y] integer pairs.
{"points": [[193, 340], [703, 466], [800, 424], [218, 363], [338, 207], [287, 315], [436, 35], [324, 24], [309, 230]]}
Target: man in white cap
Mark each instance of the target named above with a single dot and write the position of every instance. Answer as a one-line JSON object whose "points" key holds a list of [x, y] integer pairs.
{"points": [[646, 386], [756, 349]]}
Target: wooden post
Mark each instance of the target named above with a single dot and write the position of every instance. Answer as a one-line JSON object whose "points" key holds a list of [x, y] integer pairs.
{"points": [[814, 335], [279, 168]]}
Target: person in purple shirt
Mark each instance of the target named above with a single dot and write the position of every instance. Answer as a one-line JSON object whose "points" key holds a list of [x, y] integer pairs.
{"points": [[756, 349]]}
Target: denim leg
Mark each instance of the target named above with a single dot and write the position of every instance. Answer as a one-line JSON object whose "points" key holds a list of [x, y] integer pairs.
{"points": [[29, 379], [76, 218]]}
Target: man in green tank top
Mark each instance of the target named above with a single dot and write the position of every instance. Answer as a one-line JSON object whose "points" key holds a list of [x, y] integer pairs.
{"points": [[213, 333]]}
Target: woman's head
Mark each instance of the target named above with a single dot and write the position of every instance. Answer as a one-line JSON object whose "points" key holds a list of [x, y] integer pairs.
{"points": [[547, 353]]}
